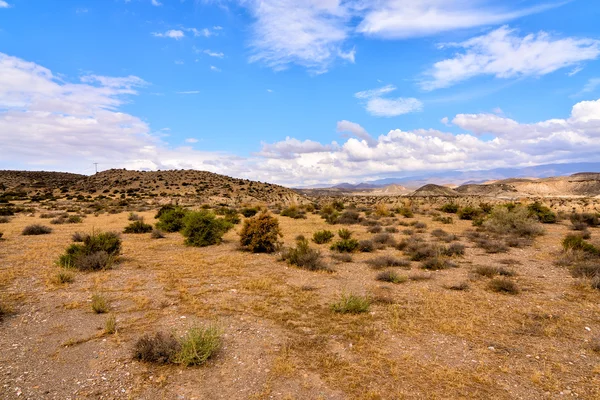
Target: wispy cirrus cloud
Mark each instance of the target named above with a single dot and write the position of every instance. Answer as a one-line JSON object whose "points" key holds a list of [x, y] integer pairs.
{"points": [[4, 4], [502, 53], [399, 19], [307, 33], [314, 34], [380, 106], [214, 53]]}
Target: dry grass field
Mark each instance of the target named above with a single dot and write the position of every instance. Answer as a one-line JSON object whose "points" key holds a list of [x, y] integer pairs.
{"points": [[436, 334]]}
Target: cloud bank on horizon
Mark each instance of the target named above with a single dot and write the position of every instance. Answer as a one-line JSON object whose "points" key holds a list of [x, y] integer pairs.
{"points": [[56, 121]]}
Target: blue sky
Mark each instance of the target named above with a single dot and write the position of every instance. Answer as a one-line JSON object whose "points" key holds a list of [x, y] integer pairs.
{"points": [[298, 92]]}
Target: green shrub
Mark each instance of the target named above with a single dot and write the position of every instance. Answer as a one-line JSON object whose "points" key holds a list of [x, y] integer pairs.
{"points": [[405, 212], [260, 234], [468, 213], [170, 218], [392, 277], [304, 257], [138, 226], [294, 212], [344, 234], [324, 236], [576, 242], [198, 345], [36, 230], [345, 245], [450, 208], [202, 228], [543, 213], [351, 304], [516, 221], [249, 212], [97, 252]]}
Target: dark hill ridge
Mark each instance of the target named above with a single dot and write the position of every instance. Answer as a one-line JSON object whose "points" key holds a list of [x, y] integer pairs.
{"points": [[207, 186], [27, 181], [433, 190]]}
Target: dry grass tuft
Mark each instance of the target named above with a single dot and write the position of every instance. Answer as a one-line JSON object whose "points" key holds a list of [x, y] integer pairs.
{"points": [[351, 304], [503, 285]]}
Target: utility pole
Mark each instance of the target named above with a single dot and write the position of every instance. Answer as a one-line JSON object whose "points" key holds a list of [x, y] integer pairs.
{"points": [[96, 164]]}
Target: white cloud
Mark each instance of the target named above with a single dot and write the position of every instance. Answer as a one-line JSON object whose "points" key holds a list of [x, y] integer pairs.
{"points": [[215, 69], [201, 32], [292, 148], [401, 19], [503, 54], [189, 92], [4, 4], [307, 33], [590, 87], [49, 123], [445, 121], [156, 3], [191, 140], [356, 130], [379, 106], [214, 54], [173, 34]]}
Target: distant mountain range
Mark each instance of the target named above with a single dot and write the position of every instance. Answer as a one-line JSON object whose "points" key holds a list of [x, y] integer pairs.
{"points": [[457, 178]]}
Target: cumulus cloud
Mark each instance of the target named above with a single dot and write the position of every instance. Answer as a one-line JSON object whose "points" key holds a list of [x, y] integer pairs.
{"points": [[173, 34], [4, 4], [49, 123], [379, 106], [503, 54]]}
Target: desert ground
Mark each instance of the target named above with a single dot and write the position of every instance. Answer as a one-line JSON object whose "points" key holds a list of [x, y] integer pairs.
{"points": [[436, 334]]}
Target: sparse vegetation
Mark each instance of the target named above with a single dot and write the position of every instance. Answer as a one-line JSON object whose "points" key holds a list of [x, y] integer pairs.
{"points": [[203, 228], [349, 303], [157, 234], [98, 251], [99, 304], [260, 234], [170, 218], [322, 237], [304, 257], [503, 285], [36, 229], [138, 226], [198, 345], [391, 277], [388, 261]]}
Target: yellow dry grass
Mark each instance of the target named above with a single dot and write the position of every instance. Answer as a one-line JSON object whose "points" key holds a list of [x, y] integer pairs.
{"points": [[281, 338]]}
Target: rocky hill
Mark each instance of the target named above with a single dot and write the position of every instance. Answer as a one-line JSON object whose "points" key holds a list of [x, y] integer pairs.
{"points": [[432, 190], [32, 181], [205, 186]]}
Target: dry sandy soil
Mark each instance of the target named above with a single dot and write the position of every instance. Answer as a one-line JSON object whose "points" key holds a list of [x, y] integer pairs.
{"points": [[419, 340]]}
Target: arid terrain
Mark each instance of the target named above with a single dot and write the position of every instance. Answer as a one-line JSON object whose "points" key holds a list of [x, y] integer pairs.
{"points": [[449, 294]]}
